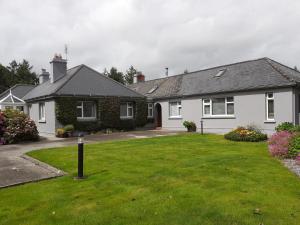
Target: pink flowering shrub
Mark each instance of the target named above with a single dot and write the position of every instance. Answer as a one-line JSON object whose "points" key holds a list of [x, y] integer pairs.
{"points": [[18, 127], [298, 159], [279, 144]]}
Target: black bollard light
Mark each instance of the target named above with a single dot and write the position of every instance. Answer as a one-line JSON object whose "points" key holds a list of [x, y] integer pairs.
{"points": [[80, 157]]}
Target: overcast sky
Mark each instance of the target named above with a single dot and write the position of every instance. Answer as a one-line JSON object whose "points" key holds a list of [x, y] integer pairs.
{"points": [[150, 35]]}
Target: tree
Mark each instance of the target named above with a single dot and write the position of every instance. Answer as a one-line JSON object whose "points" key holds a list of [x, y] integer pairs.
{"points": [[16, 73], [129, 76], [115, 75]]}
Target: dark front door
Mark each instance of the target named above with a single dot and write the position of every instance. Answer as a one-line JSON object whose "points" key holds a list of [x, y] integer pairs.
{"points": [[158, 115]]}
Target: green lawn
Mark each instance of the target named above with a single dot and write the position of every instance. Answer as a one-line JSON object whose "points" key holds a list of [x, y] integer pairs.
{"points": [[186, 179]]}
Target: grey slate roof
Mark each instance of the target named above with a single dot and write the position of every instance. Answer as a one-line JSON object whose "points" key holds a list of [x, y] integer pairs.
{"points": [[81, 81], [249, 75], [18, 90]]}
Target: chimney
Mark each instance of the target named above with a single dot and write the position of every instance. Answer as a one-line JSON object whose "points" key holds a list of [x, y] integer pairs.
{"points": [[58, 68], [167, 71], [44, 76], [140, 77]]}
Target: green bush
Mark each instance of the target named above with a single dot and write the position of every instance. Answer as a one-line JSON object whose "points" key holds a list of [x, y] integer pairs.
{"points": [[190, 126], [19, 127], [60, 132], [285, 126], [69, 128], [65, 110], [294, 146], [88, 126], [127, 124], [244, 134]]}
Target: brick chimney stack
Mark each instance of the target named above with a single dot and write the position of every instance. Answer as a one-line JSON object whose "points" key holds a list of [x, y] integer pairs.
{"points": [[140, 77]]}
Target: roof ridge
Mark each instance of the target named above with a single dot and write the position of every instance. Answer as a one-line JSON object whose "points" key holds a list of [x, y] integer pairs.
{"points": [[112, 80], [278, 69], [215, 67]]}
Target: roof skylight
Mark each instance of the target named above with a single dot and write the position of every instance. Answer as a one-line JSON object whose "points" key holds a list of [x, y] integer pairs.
{"points": [[220, 73], [152, 89]]}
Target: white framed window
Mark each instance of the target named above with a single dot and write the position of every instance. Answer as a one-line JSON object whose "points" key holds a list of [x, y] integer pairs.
{"points": [[216, 107], [86, 110], [126, 110], [20, 108], [42, 113], [270, 106], [175, 109], [150, 110]]}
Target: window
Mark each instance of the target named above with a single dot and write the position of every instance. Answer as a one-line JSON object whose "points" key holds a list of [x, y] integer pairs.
{"points": [[270, 106], [150, 110], [42, 116], [126, 110], [9, 107], [20, 108], [86, 110], [175, 109], [218, 107]]}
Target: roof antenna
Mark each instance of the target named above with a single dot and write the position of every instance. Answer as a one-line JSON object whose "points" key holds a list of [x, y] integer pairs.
{"points": [[66, 51], [167, 71]]}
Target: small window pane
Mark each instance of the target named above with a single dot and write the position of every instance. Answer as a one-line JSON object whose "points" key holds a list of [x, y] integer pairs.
{"points": [[206, 101], [218, 106], [206, 109], [130, 112], [88, 109], [270, 109], [229, 99], [270, 95], [123, 110], [230, 109], [174, 109], [79, 112], [20, 108]]}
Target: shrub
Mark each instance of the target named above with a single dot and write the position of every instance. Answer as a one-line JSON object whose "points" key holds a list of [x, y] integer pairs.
{"points": [[279, 143], [297, 159], [127, 124], [285, 126], [19, 127], [60, 132], [244, 134], [88, 126], [69, 128], [190, 126], [294, 146]]}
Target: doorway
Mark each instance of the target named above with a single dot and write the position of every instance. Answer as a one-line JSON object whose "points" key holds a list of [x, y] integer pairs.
{"points": [[158, 118]]}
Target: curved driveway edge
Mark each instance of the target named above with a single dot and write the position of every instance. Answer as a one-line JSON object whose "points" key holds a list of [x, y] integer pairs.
{"points": [[17, 168]]}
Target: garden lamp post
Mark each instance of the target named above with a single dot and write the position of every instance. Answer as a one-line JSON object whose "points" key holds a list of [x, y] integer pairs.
{"points": [[80, 156]]}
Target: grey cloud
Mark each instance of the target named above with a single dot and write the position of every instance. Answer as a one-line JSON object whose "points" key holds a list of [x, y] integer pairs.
{"points": [[150, 35]]}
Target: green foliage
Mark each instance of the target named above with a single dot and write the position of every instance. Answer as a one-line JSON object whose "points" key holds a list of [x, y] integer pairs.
{"points": [[244, 134], [65, 109], [129, 75], [19, 127], [141, 112], [285, 126], [110, 112], [88, 126], [16, 73], [115, 75], [190, 126], [127, 124], [69, 128], [294, 146]]}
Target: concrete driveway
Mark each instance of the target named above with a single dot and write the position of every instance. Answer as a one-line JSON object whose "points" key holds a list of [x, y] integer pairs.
{"points": [[17, 168]]}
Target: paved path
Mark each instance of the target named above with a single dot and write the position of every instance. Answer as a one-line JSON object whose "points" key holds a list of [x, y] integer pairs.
{"points": [[16, 168]]}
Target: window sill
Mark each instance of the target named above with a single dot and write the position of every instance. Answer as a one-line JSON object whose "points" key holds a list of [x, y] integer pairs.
{"points": [[42, 121], [269, 121], [218, 117], [175, 117], [86, 118]]}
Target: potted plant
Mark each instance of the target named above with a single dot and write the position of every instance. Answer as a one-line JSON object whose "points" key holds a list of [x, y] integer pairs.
{"points": [[69, 129], [190, 126]]}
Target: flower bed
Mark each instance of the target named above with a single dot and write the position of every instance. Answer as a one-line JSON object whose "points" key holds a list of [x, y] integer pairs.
{"points": [[248, 134]]}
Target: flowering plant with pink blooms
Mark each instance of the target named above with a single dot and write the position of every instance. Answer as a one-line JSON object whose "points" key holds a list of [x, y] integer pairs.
{"points": [[17, 126], [279, 144]]}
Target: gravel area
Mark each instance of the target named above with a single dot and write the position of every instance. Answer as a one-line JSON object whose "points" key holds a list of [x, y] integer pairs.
{"points": [[291, 164]]}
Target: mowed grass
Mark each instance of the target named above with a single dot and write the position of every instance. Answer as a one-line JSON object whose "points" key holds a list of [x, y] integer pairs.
{"points": [[185, 179]]}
